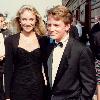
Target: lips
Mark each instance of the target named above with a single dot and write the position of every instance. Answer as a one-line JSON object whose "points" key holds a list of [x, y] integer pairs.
{"points": [[27, 26]]}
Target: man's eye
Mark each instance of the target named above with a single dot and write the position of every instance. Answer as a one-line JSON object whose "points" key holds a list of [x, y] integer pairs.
{"points": [[48, 25], [56, 25], [1, 21]]}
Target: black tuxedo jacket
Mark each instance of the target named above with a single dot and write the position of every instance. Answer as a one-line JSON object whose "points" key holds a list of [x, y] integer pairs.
{"points": [[76, 77]]}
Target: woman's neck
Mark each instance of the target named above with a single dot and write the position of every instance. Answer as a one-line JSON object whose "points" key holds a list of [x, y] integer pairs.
{"points": [[26, 34]]}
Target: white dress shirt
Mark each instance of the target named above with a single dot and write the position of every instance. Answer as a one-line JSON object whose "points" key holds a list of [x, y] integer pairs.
{"points": [[57, 55], [2, 47]]}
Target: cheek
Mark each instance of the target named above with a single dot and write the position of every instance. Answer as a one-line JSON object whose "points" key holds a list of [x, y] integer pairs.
{"points": [[63, 30], [48, 28], [33, 23], [22, 23], [60, 30], [67, 29]]}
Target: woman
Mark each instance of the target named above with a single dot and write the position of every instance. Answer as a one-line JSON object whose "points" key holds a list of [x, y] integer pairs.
{"points": [[23, 62]]}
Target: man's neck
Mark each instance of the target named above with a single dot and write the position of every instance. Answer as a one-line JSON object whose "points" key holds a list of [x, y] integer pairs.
{"points": [[65, 37]]}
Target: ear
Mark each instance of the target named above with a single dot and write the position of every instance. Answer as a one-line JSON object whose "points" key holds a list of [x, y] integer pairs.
{"points": [[68, 27]]}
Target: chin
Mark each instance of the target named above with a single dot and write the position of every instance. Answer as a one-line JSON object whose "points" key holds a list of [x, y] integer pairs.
{"points": [[28, 31], [53, 37]]}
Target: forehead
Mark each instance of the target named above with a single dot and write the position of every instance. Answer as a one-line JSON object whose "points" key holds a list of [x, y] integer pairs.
{"points": [[53, 19], [27, 13], [57, 18]]}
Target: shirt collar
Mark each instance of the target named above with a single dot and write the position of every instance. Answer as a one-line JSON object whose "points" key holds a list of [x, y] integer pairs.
{"points": [[63, 40]]}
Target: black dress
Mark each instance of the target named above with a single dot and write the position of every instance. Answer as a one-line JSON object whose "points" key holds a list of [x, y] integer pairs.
{"points": [[24, 80]]}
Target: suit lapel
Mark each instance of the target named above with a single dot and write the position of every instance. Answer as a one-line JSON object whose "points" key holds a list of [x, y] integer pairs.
{"points": [[16, 40], [49, 60], [50, 48], [61, 68]]}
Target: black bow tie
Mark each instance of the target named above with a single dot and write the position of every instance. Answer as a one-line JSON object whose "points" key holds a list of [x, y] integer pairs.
{"points": [[1, 30], [58, 44]]}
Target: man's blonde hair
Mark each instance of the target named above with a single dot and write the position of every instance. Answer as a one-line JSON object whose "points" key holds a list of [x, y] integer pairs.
{"points": [[61, 12]]}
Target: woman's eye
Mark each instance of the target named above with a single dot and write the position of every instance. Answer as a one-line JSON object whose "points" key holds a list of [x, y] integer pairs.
{"points": [[23, 19], [31, 19]]}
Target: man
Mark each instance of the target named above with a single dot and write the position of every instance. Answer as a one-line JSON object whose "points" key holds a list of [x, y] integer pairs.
{"points": [[72, 76], [96, 26], [3, 34], [74, 32], [79, 27], [2, 54], [95, 29], [4, 27], [73, 29]]}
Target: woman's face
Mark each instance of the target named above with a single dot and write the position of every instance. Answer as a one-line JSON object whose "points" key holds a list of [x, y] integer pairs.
{"points": [[27, 21]]}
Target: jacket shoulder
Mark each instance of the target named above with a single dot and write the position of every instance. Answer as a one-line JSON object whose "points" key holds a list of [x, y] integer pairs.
{"points": [[80, 47], [12, 38]]}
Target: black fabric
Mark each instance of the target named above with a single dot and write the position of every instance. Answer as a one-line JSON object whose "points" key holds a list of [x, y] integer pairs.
{"points": [[1, 87], [58, 44], [76, 76], [28, 76], [96, 45], [94, 30], [23, 72], [74, 32], [5, 33]]}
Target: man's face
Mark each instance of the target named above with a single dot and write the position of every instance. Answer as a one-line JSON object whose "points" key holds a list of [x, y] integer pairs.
{"points": [[57, 28], [1, 22]]}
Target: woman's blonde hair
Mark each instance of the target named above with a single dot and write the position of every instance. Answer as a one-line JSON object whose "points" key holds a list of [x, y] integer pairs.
{"points": [[39, 25]]}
